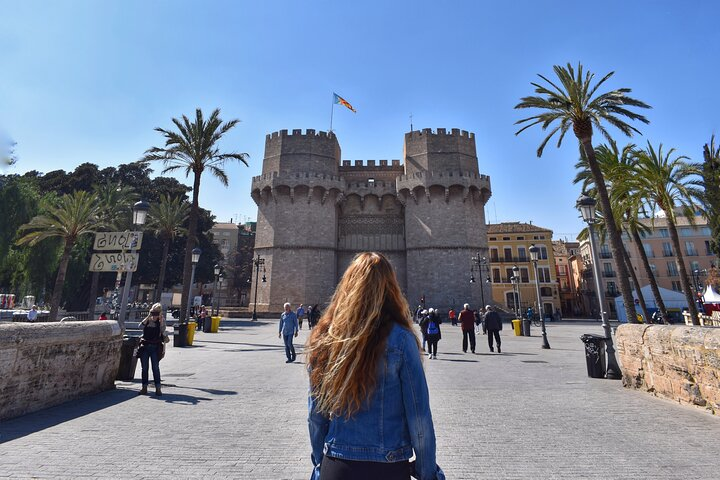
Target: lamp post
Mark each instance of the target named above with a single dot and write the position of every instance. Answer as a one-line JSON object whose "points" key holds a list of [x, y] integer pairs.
{"points": [[258, 262], [482, 264], [586, 205], [515, 279], [140, 210], [534, 256], [216, 270], [195, 259]]}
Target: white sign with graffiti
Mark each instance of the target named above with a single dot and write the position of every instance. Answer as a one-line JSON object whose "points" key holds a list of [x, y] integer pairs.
{"points": [[117, 241], [114, 262]]}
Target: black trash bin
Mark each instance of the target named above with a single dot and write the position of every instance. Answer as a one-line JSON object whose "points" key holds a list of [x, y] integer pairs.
{"points": [[594, 354], [128, 360], [180, 335], [526, 327]]}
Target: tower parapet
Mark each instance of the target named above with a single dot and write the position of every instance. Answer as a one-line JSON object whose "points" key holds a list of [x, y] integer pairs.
{"points": [[298, 152], [440, 151]]}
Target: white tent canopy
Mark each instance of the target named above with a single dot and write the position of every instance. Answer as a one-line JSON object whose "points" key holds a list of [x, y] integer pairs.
{"points": [[671, 299], [710, 295]]}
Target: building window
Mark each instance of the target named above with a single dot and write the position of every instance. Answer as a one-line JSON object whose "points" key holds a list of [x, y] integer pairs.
{"points": [[648, 250], [611, 288], [521, 238], [667, 249], [544, 274], [605, 251], [686, 232], [705, 231], [496, 275], [494, 255], [676, 286], [522, 254], [708, 251], [545, 292], [506, 238], [690, 249], [653, 269], [509, 273], [694, 266], [493, 239], [524, 275], [507, 251], [672, 269], [664, 233], [543, 252], [561, 270]]}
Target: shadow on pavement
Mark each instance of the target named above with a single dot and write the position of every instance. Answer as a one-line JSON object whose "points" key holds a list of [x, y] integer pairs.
{"points": [[179, 399], [49, 417], [211, 391], [455, 360]]}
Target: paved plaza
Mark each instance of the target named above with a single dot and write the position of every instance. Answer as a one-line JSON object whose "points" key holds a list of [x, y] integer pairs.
{"points": [[232, 408]]}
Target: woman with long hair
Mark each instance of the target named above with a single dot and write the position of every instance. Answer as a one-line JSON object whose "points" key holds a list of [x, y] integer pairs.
{"points": [[369, 404]]}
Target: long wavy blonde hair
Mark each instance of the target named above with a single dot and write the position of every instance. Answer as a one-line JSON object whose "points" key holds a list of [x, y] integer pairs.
{"points": [[345, 346]]}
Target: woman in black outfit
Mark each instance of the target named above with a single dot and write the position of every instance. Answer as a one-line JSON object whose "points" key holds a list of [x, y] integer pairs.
{"points": [[151, 344]]}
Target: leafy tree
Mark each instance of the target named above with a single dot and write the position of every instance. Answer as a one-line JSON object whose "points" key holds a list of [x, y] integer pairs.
{"points": [[711, 196], [194, 149], [166, 219], [71, 217], [670, 184], [574, 104]]}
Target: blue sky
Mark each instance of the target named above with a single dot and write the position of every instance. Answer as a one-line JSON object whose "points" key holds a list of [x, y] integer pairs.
{"points": [[87, 81]]}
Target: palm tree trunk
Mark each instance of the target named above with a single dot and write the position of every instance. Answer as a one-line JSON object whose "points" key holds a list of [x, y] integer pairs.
{"points": [[163, 266], [189, 245], [94, 281], [684, 279], [651, 277], [60, 280], [636, 284], [614, 233]]}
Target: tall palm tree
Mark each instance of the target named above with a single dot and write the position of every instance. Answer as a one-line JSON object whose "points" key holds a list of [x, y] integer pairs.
{"points": [[166, 218], [115, 201], [627, 204], [193, 149], [71, 217], [711, 184], [670, 184], [575, 105]]}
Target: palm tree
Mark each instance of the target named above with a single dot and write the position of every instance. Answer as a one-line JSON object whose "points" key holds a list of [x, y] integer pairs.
{"points": [[193, 149], [627, 204], [575, 105], [711, 184], [167, 218], [72, 216], [670, 184]]}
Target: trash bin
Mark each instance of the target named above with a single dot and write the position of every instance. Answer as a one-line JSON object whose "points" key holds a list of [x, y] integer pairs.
{"points": [[526, 327], [594, 354], [128, 360], [517, 327], [215, 321], [180, 335], [191, 333]]}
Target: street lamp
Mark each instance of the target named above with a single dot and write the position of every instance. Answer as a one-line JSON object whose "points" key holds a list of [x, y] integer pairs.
{"points": [[515, 280], [586, 205], [258, 262], [195, 259], [140, 210], [482, 264], [216, 270], [534, 256]]}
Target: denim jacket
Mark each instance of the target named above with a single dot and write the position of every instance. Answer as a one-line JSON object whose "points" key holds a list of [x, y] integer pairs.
{"points": [[395, 421]]}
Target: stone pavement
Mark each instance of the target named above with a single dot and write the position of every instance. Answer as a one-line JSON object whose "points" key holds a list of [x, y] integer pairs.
{"points": [[232, 408]]}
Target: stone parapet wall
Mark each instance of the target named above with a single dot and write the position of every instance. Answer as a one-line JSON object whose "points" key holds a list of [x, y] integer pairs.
{"points": [[45, 364], [674, 361]]}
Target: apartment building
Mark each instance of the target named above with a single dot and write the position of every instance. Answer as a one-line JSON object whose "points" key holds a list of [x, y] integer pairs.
{"points": [[509, 246], [568, 276]]}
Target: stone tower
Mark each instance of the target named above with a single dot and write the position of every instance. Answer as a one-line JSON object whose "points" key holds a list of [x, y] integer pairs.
{"points": [[444, 197], [297, 219], [316, 213]]}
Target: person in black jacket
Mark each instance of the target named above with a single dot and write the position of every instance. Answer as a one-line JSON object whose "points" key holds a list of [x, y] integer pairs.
{"points": [[493, 325], [433, 334]]}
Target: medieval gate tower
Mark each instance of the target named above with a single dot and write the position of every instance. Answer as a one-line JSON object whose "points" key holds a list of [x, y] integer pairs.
{"points": [[316, 212]]}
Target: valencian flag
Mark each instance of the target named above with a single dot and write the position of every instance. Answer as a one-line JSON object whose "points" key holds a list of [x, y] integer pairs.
{"points": [[342, 101]]}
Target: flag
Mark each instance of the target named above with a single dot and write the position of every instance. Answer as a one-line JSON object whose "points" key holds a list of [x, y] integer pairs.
{"points": [[342, 101]]}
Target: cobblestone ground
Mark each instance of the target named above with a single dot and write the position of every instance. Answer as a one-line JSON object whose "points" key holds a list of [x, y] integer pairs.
{"points": [[232, 408]]}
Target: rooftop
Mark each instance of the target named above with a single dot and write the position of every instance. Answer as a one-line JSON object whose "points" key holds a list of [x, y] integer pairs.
{"points": [[514, 227]]}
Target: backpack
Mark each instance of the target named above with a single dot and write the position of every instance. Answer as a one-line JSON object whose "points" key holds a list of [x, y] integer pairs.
{"points": [[432, 328]]}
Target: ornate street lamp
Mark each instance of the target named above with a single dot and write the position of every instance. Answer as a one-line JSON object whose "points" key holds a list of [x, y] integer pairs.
{"points": [[258, 262], [216, 270], [534, 257], [482, 265], [586, 205], [195, 259], [515, 280], [140, 210]]}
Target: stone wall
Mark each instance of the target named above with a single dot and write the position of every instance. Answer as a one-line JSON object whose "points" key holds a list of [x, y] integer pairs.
{"points": [[45, 364], [674, 361]]}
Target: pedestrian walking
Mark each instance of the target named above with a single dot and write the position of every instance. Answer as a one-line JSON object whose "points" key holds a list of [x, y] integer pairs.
{"points": [[152, 348], [467, 324], [493, 325], [423, 327], [367, 373], [300, 314], [479, 325], [434, 334], [202, 316], [288, 328], [453, 317], [418, 314]]}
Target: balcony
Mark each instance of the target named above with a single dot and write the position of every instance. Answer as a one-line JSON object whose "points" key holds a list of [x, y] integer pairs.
{"points": [[612, 293], [673, 273], [667, 254], [510, 259], [605, 255], [608, 274]]}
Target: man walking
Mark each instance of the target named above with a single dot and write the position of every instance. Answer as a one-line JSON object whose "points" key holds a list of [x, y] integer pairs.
{"points": [[493, 325], [467, 323], [300, 314], [288, 328]]}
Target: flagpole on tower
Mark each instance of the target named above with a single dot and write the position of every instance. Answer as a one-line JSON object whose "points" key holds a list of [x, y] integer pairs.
{"points": [[332, 110]]}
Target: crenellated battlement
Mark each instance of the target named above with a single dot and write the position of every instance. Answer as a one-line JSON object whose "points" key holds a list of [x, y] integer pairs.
{"points": [[441, 132], [353, 165], [298, 133]]}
